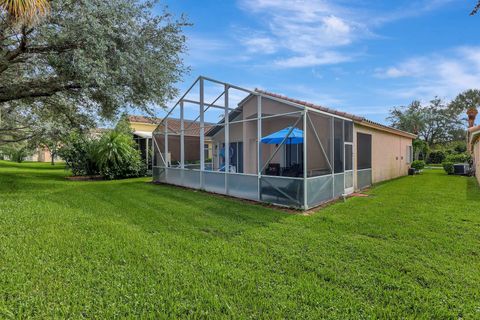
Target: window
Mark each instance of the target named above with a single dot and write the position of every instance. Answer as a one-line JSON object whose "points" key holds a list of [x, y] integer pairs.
{"points": [[364, 151], [409, 154], [338, 145]]}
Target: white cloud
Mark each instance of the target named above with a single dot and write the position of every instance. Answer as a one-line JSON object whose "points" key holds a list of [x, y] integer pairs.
{"points": [[311, 60], [443, 75], [260, 44], [306, 33]]}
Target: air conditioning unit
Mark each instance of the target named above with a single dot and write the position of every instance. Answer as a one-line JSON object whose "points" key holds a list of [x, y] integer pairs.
{"points": [[461, 168]]}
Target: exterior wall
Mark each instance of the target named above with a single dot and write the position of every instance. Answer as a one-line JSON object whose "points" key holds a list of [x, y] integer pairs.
{"points": [[389, 153], [246, 132], [476, 155], [42, 155], [147, 127]]}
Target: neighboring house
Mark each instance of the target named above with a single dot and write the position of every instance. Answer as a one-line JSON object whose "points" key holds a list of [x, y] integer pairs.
{"points": [[474, 148], [143, 128], [41, 154], [283, 151]]}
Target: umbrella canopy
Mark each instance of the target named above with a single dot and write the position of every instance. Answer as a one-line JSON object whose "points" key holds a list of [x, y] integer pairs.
{"points": [[295, 137]]}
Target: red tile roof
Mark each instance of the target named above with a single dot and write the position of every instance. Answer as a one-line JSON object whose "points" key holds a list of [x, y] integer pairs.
{"points": [[144, 119], [357, 119], [192, 128]]}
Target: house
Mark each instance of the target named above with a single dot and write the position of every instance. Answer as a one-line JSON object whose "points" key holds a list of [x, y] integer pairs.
{"points": [[41, 154], [276, 149], [474, 148]]}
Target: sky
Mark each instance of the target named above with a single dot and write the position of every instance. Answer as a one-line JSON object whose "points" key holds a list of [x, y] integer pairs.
{"points": [[359, 56]]}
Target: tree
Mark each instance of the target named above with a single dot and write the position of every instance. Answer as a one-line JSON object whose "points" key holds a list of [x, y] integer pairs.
{"points": [[466, 100], [475, 9], [97, 57], [52, 137], [34, 122], [410, 118], [435, 123]]}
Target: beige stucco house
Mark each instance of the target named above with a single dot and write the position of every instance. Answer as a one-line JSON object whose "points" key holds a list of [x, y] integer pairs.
{"points": [[276, 149], [474, 145]]}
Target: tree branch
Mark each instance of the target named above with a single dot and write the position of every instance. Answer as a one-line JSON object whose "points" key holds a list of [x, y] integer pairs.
{"points": [[35, 89]]}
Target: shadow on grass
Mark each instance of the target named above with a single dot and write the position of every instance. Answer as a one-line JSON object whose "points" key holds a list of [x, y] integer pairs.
{"points": [[473, 190], [31, 165], [167, 208]]}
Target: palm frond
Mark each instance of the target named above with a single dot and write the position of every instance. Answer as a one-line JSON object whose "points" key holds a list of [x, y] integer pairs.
{"points": [[25, 11], [475, 10]]}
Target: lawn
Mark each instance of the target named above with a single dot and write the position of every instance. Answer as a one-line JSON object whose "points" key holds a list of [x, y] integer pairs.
{"points": [[132, 249]]}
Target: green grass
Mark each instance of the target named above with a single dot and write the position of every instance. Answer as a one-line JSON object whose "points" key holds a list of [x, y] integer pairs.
{"points": [[132, 249]]}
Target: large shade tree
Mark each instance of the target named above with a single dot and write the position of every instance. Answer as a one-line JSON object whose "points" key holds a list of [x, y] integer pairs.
{"points": [[86, 59], [434, 123]]}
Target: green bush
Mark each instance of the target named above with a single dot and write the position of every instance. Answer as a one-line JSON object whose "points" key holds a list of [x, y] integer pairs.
{"points": [[113, 156], [418, 165], [458, 158], [448, 167], [436, 157], [117, 156], [78, 154]]}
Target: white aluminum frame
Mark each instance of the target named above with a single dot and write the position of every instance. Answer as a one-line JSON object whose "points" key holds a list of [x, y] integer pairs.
{"points": [[303, 112]]}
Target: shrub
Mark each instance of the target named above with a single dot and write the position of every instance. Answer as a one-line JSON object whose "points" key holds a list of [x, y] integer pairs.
{"points": [[78, 154], [458, 158], [448, 167], [418, 165], [113, 156], [117, 156], [436, 157]]}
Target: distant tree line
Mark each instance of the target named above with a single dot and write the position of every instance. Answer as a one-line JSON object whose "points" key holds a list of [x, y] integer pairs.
{"points": [[439, 125]]}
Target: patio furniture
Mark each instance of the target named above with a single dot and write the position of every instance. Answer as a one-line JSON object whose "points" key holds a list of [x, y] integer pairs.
{"points": [[273, 169]]}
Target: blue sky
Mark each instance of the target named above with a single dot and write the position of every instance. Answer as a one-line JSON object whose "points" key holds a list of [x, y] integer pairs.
{"points": [[358, 56]]}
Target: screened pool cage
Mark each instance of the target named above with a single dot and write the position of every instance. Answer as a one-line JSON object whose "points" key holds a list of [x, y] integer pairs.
{"points": [[249, 144]]}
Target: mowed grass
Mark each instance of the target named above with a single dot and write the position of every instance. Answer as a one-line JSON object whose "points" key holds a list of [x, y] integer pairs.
{"points": [[133, 249]]}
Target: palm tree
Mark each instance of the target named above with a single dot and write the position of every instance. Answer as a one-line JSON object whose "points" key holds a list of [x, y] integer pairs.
{"points": [[25, 11], [475, 10]]}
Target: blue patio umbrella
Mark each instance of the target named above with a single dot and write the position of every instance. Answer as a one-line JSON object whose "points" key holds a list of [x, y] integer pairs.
{"points": [[295, 137]]}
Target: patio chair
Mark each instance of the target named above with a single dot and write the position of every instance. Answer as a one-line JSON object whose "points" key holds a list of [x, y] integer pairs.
{"points": [[273, 169]]}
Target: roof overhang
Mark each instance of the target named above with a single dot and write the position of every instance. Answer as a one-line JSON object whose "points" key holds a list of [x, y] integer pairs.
{"points": [[143, 134], [377, 126], [474, 134]]}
